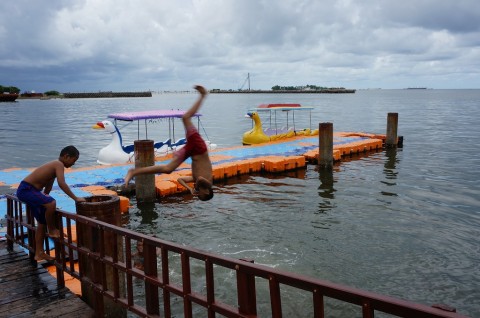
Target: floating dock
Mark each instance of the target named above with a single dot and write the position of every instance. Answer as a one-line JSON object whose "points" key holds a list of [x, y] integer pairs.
{"points": [[272, 157]]}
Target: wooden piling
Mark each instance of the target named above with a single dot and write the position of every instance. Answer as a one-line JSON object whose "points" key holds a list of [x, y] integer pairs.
{"points": [[145, 183], [392, 125], [104, 208], [325, 145]]}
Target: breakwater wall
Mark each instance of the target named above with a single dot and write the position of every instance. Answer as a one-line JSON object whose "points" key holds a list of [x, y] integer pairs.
{"points": [[107, 94], [319, 91]]}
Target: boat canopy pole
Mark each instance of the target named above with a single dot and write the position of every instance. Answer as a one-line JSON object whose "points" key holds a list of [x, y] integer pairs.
{"points": [[310, 120], [293, 121], [138, 130], [204, 131], [276, 130], [170, 128], [146, 129]]}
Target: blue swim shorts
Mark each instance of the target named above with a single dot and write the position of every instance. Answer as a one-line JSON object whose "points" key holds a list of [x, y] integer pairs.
{"points": [[35, 199]]}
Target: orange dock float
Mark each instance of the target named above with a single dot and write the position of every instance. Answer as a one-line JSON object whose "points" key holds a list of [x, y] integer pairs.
{"points": [[272, 157]]}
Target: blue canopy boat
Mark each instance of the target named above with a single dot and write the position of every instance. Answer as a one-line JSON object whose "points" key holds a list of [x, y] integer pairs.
{"points": [[117, 152]]}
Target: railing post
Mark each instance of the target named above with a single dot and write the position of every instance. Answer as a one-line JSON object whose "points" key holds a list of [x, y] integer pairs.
{"points": [[246, 292], [10, 205], [31, 233], [318, 305], [104, 208], [186, 284], [367, 311], [275, 297], [325, 145], [392, 125], [166, 280], [60, 253], [144, 184], [150, 268]]}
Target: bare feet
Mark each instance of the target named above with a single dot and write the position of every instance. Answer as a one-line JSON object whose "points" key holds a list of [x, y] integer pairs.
{"points": [[54, 233], [201, 90], [43, 256]]}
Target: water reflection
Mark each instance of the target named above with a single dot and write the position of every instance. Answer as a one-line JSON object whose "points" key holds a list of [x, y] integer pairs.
{"points": [[325, 189], [391, 163], [148, 212], [390, 171]]}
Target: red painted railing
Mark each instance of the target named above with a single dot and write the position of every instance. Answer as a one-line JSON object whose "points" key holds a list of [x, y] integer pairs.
{"points": [[168, 271]]}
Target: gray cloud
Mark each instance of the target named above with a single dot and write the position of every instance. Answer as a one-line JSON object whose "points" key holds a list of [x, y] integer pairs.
{"points": [[124, 45]]}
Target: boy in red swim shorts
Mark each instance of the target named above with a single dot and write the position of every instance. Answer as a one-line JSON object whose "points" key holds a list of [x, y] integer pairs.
{"points": [[34, 190], [195, 149]]}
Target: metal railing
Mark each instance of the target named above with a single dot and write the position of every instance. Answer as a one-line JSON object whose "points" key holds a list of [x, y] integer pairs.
{"points": [[159, 273]]}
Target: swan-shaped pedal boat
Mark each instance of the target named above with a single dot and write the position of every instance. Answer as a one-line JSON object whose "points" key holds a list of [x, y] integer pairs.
{"points": [[116, 152], [258, 135]]}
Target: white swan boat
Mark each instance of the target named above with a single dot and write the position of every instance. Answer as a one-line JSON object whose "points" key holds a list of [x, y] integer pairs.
{"points": [[116, 152]]}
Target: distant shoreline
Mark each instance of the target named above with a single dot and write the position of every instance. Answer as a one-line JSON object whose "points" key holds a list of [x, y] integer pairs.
{"points": [[87, 95], [213, 91], [319, 91], [107, 94]]}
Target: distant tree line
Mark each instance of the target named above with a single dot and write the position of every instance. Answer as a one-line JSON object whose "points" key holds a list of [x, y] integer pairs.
{"points": [[16, 90], [52, 93], [9, 89], [286, 89], [302, 88]]}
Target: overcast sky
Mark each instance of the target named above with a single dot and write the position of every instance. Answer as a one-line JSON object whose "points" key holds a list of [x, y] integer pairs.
{"points": [[123, 45]]}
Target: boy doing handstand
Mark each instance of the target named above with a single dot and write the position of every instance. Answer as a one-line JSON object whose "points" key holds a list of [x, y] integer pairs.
{"points": [[41, 203], [196, 149]]}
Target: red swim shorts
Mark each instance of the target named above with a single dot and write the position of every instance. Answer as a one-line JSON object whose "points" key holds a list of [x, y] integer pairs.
{"points": [[195, 145]]}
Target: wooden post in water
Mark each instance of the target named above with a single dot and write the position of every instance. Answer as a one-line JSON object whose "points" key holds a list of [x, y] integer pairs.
{"points": [[392, 125], [325, 145], [145, 183], [104, 208]]}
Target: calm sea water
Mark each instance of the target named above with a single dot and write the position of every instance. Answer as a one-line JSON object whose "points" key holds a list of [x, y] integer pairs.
{"points": [[404, 223]]}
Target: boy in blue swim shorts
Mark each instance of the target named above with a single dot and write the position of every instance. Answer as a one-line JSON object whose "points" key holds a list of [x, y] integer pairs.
{"points": [[196, 149], [36, 199], [34, 191]]}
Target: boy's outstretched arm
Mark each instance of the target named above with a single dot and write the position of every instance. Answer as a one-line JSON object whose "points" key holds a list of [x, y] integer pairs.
{"points": [[184, 180], [63, 185]]}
